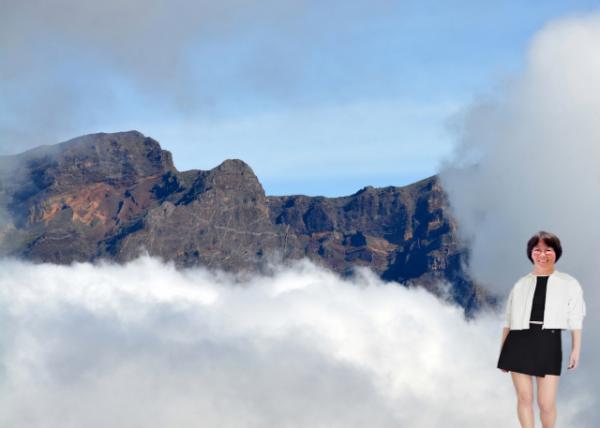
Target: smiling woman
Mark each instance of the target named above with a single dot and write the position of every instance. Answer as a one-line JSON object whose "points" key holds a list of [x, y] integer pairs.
{"points": [[540, 305]]}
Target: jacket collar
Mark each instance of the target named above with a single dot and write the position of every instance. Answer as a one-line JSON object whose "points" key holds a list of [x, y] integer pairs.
{"points": [[555, 273]]}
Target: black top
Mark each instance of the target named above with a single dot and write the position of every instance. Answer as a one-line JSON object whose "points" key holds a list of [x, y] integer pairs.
{"points": [[539, 299]]}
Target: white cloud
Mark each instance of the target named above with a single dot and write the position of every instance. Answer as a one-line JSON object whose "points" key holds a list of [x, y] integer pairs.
{"points": [[527, 161], [147, 345]]}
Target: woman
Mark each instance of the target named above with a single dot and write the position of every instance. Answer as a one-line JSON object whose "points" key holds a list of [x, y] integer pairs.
{"points": [[539, 306]]}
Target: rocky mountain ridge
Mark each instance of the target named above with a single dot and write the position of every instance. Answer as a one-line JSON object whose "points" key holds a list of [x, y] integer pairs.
{"points": [[113, 195]]}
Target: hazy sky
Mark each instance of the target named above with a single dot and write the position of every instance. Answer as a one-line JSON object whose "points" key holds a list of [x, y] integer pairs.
{"points": [[318, 97]]}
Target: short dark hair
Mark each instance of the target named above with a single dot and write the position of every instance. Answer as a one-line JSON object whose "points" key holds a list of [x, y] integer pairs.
{"points": [[550, 239]]}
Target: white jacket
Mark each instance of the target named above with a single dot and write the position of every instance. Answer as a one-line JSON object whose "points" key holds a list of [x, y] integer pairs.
{"points": [[564, 307]]}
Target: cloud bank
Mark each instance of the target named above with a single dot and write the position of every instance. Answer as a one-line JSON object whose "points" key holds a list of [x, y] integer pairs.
{"points": [[528, 160], [144, 344]]}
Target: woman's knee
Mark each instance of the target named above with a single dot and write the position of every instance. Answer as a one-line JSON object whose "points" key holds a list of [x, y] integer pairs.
{"points": [[525, 398], [546, 405]]}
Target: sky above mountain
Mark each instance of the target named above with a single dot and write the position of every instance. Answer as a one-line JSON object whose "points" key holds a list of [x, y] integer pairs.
{"points": [[318, 97]]}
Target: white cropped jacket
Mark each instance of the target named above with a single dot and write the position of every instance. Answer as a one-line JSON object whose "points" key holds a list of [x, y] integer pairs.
{"points": [[564, 308]]}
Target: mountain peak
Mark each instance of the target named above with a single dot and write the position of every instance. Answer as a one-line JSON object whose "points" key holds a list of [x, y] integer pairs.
{"points": [[121, 157], [236, 175]]}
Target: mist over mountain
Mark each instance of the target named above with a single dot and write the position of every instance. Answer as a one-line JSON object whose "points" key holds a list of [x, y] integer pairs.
{"points": [[116, 196]]}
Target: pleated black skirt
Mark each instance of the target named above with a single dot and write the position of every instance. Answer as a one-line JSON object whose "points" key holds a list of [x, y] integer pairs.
{"points": [[536, 351]]}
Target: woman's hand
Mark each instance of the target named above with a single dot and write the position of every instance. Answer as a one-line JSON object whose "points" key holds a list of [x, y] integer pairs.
{"points": [[575, 347], [573, 359]]}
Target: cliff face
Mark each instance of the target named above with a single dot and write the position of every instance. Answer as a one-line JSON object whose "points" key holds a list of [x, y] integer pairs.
{"points": [[114, 195]]}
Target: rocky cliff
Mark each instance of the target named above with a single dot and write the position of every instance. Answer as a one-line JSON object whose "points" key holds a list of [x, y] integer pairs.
{"points": [[114, 195]]}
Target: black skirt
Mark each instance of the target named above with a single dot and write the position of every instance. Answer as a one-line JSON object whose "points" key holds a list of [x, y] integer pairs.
{"points": [[536, 351]]}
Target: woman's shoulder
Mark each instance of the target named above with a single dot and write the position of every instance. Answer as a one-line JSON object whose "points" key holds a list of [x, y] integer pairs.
{"points": [[567, 279], [525, 278], [523, 281], [564, 276]]}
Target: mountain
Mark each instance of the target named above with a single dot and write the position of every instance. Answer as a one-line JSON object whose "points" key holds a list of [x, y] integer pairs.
{"points": [[113, 195]]}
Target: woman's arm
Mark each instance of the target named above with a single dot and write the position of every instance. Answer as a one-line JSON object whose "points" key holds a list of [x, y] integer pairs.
{"points": [[575, 349]]}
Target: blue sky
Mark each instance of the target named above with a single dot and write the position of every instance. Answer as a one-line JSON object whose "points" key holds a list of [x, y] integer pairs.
{"points": [[318, 97]]}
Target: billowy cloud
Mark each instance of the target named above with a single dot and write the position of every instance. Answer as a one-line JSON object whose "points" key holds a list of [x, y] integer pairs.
{"points": [[144, 344], [528, 160]]}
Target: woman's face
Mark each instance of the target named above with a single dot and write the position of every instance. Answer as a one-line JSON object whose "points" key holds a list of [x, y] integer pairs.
{"points": [[543, 256]]}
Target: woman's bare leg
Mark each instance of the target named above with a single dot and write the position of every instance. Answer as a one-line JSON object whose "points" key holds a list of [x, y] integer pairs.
{"points": [[524, 389], [547, 387]]}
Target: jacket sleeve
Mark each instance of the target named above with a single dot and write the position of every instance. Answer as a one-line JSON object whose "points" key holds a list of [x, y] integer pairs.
{"points": [[575, 307], [508, 310]]}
